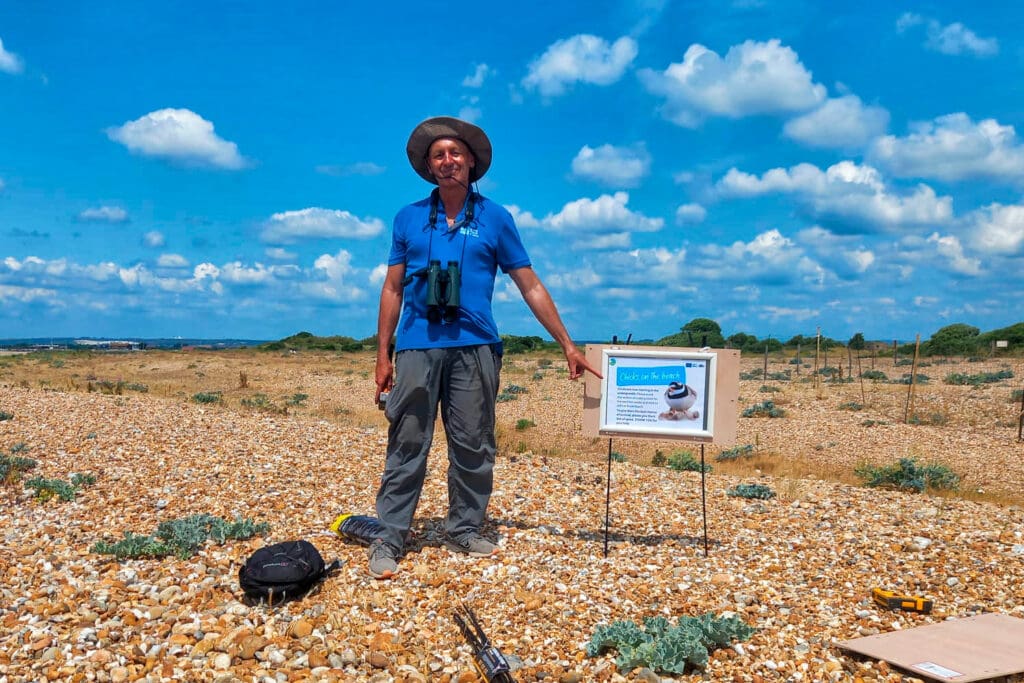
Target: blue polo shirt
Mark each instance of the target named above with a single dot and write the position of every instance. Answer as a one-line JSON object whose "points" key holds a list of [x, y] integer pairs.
{"points": [[490, 241]]}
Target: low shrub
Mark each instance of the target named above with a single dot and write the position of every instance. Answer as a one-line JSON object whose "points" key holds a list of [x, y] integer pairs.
{"points": [[181, 537], [684, 461], [665, 647], [931, 419], [852, 406], [12, 467], [759, 491], [919, 378], [874, 374], [618, 457], [1017, 395], [765, 409], [658, 459], [735, 453], [768, 389], [957, 378], [207, 397], [524, 423], [6, 416], [909, 475], [296, 399]]}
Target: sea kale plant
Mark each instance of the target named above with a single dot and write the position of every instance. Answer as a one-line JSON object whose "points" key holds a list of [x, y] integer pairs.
{"points": [[181, 537], [909, 475], [664, 647], [759, 491]]}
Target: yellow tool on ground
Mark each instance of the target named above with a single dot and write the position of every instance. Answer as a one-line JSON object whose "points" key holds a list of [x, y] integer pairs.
{"points": [[907, 603]]}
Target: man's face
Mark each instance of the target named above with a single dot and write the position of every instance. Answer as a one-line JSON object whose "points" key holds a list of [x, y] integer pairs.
{"points": [[450, 161]]}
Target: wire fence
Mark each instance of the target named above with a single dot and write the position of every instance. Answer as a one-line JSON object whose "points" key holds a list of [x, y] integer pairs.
{"points": [[974, 393]]}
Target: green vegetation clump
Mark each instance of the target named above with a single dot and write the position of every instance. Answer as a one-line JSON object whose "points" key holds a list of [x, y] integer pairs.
{"points": [[207, 397], [1017, 395], [683, 461], [6, 416], [769, 389], [181, 537], [909, 475], [933, 419], [961, 379], [919, 378], [735, 453], [765, 409], [874, 374], [658, 459], [664, 647], [524, 423], [296, 399], [13, 466], [759, 491], [511, 393], [852, 406], [263, 403], [48, 488], [617, 457]]}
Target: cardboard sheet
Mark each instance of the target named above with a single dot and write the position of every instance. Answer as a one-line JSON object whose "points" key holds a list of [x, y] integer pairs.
{"points": [[969, 649]]}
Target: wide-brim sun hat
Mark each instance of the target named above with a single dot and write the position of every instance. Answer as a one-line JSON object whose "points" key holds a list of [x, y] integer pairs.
{"points": [[425, 133]]}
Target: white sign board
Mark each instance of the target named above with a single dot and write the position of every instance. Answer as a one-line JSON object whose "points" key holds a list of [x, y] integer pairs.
{"points": [[1002, 344], [658, 393]]}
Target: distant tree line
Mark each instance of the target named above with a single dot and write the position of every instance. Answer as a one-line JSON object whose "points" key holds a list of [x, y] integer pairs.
{"points": [[958, 339]]}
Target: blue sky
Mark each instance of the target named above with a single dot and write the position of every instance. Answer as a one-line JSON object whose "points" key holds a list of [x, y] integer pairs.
{"points": [[231, 169]]}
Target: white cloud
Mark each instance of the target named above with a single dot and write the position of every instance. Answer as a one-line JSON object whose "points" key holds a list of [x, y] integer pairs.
{"points": [[847, 192], [952, 39], [908, 20], [691, 213], [470, 113], [477, 78], [378, 274], [753, 78], [360, 168], [104, 214], [330, 278], [279, 254], [840, 122], [582, 58], [953, 147], [616, 166], [607, 215], [25, 294], [316, 223], [859, 259], [949, 248], [153, 239], [522, 218], [172, 261], [999, 229], [237, 273], [9, 62], [180, 136]]}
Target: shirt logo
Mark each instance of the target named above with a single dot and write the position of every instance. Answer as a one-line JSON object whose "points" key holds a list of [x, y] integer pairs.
{"points": [[469, 232]]}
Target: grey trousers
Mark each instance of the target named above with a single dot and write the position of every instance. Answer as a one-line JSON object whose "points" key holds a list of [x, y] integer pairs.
{"points": [[464, 382]]}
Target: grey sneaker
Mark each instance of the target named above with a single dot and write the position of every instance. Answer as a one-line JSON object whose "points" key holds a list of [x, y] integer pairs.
{"points": [[383, 564], [472, 544]]}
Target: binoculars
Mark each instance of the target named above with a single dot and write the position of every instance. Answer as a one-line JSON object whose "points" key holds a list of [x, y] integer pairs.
{"points": [[443, 292]]}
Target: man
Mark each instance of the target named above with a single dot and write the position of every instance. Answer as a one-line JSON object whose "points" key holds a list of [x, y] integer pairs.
{"points": [[448, 351]]}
